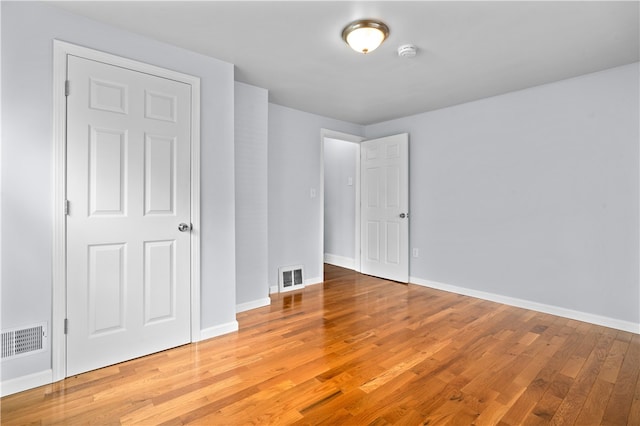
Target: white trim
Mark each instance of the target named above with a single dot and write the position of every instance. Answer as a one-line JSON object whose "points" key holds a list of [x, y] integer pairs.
{"points": [[30, 381], [59, 190], [195, 208], [254, 304], [534, 306], [0, 184], [341, 261], [218, 330], [332, 134], [313, 281], [274, 289], [60, 51], [357, 252]]}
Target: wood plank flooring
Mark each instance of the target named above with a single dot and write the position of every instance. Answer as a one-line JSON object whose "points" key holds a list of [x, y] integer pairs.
{"points": [[358, 350]]}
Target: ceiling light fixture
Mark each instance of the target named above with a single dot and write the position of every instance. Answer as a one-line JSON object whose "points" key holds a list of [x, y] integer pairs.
{"points": [[365, 35]]}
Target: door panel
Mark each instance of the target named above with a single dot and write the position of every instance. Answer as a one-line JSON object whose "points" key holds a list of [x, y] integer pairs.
{"points": [[107, 287], [373, 241], [159, 165], [392, 197], [393, 243], [107, 165], [128, 184], [385, 234], [159, 280]]}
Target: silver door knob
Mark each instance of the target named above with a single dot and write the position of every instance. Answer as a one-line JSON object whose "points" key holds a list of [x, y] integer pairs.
{"points": [[403, 215], [183, 227]]}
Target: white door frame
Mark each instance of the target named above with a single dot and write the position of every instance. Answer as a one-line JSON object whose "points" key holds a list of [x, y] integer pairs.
{"points": [[332, 134], [59, 295]]}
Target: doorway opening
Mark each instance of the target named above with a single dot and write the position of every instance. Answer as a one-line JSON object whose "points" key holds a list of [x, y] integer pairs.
{"points": [[379, 224], [340, 199]]}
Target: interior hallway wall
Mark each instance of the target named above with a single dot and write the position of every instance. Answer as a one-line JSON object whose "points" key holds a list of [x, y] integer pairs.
{"points": [[340, 200], [294, 182], [251, 121]]}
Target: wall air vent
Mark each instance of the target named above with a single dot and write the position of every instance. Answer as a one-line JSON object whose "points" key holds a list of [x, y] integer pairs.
{"points": [[24, 341], [291, 278]]}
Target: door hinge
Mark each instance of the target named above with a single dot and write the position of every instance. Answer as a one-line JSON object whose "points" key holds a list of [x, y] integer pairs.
{"points": [[66, 325], [66, 88], [66, 207]]}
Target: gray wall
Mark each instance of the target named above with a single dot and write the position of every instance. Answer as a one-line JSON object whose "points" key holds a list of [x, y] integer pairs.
{"points": [[294, 168], [251, 109], [532, 194], [339, 197], [28, 30]]}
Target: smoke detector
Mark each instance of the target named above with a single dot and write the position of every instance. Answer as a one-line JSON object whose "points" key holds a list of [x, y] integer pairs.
{"points": [[407, 51]]}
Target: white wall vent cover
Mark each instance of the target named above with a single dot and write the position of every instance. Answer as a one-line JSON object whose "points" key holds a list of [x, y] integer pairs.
{"points": [[291, 278], [24, 341]]}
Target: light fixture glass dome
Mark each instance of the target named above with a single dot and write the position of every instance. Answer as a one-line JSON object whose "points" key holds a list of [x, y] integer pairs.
{"points": [[365, 35]]}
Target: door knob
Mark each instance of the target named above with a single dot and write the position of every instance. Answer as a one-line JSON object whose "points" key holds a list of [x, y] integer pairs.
{"points": [[403, 215], [183, 227]]}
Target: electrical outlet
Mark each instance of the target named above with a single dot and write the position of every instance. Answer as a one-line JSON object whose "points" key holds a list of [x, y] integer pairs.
{"points": [[415, 252]]}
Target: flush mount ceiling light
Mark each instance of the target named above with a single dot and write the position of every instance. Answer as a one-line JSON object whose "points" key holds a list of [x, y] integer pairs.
{"points": [[365, 35]]}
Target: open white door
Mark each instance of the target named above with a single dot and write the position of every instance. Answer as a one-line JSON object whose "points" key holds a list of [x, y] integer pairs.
{"points": [[128, 186], [384, 168]]}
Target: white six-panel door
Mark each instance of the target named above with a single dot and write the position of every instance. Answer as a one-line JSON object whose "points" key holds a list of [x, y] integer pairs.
{"points": [[128, 186], [384, 168]]}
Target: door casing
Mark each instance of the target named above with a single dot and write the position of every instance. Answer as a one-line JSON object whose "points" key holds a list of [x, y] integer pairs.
{"points": [[60, 51]]}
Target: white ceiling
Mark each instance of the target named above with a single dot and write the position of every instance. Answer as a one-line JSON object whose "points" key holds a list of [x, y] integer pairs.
{"points": [[467, 50]]}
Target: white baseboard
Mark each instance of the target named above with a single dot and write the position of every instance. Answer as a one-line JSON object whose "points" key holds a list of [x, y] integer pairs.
{"points": [[218, 330], [534, 306], [312, 281], [247, 306], [19, 384], [30, 381], [274, 289], [341, 261]]}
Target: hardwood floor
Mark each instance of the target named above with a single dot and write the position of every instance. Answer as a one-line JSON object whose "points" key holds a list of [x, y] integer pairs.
{"points": [[358, 350]]}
